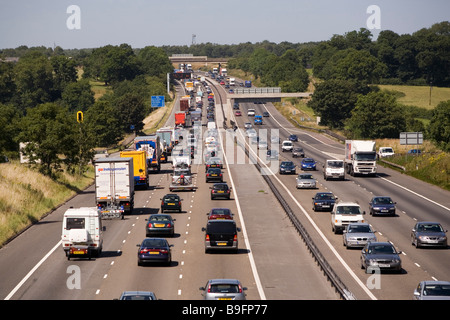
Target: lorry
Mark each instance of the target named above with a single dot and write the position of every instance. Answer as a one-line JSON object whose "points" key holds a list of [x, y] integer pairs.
{"points": [[140, 171], [344, 213], [151, 144], [360, 157], [258, 119], [196, 116], [180, 118], [181, 176], [82, 232], [334, 169], [185, 103], [232, 81], [167, 137], [114, 186]]}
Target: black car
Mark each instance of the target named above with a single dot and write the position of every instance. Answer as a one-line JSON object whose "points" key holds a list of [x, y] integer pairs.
{"points": [[324, 201], [266, 114], [171, 201], [287, 167], [154, 250], [220, 190], [159, 224], [382, 206], [293, 138], [220, 235], [214, 174], [377, 256]]}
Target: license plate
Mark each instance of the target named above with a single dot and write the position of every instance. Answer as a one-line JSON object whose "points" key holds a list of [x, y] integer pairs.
{"points": [[325, 206], [171, 204], [153, 252], [79, 252], [214, 175], [382, 265], [220, 191], [224, 298], [160, 225], [221, 243]]}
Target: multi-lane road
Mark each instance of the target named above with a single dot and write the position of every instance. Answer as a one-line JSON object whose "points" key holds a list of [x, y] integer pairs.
{"points": [[273, 262]]}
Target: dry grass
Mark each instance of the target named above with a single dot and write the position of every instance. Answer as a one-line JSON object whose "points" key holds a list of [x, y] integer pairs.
{"points": [[26, 195]]}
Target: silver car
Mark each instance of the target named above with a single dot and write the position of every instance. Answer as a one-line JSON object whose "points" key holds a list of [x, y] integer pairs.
{"points": [[358, 234], [432, 290], [223, 289], [430, 234], [306, 180]]}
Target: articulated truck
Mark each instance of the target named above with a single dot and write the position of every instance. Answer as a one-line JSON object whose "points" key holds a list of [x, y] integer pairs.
{"points": [[140, 173], [114, 186], [360, 157], [152, 146]]}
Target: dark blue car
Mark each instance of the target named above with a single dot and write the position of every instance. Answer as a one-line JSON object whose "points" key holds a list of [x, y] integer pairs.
{"points": [[293, 137], [154, 250], [382, 206], [308, 164]]}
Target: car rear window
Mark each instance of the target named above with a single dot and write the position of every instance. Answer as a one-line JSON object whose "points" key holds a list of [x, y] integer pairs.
{"points": [[220, 187], [171, 199], [224, 288], [221, 211], [75, 223], [222, 227]]}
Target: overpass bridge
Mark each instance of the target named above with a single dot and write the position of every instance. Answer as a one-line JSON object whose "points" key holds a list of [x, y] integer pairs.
{"points": [[189, 58], [269, 94]]}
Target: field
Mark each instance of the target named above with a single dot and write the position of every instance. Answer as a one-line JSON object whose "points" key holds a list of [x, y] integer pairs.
{"points": [[419, 96]]}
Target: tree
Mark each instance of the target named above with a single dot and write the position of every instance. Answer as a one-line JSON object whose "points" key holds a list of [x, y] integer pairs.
{"points": [[64, 72], [154, 61], [360, 66], [131, 112], [101, 122], [376, 115], [439, 127], [50, 136], [333, 100], [78, 96]]}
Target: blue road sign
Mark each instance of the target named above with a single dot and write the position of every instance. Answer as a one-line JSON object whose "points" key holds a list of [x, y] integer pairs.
{"points": [[158, 101]]}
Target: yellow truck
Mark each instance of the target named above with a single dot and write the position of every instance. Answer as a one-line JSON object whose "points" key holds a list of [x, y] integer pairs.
{"points": [[139, 165]]}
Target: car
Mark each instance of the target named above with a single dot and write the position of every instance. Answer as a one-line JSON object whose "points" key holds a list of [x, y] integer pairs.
{"points": [[432, 290], [358, 235], [308, 164], [160, 224], [414, 151], [385, 152], [305, 180], [247, 125], [221, 235], [293, 138], [272, 155], [213, 162], [231, 91], [238, 113], [287, 146], [138, 295], [214, 174], [324, 201], [220, 190], [222, 82], [344, 213], [287, 167], [382, 205], [154, 250], [378, 256], [298, 152], [428, 234], [251, 112], [236, 106], [171, 201], [223, 289], [266, 114], [220, 213]]}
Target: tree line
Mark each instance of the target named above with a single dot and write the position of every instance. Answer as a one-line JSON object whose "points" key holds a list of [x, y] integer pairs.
{"points": [[41, 94]]}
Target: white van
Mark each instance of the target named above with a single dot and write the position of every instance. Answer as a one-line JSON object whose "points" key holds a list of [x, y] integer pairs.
{"points": [[82, 232], [344, 213]]}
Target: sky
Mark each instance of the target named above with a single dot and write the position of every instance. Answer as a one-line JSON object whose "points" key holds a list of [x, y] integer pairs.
{"points": [[78, 24]]}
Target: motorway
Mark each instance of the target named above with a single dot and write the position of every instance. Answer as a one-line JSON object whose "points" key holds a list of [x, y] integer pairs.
{"points": [[273, 262]]}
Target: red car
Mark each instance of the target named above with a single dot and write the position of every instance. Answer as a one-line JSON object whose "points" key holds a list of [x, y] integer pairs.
{"points": [[238, 113], [220, 213]]}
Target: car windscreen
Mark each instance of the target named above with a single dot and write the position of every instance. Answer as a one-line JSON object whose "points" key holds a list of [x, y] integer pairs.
{"points": [[359, 229], [382, 201], [365, 156], [222, 227], [381, 249], [324, 196], [348, 210], [335, 164], [436, 290]]}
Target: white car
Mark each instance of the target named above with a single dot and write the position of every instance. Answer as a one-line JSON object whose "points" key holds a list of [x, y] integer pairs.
{"points": [[287, 146], [385, 152], [251, 112]]}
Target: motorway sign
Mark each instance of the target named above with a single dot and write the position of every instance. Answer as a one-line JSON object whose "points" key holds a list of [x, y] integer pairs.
{"points": [[158, 101], [411, 138]]}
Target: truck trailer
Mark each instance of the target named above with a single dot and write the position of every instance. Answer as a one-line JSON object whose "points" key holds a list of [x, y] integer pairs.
{"points": [[140, 171], [114, 186], [151, 144], [360, 157]]}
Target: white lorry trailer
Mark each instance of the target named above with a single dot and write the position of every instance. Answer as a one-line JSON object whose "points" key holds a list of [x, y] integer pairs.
{"points": [[114, 186], [360, 157], [182, 176], [82, 232]]}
